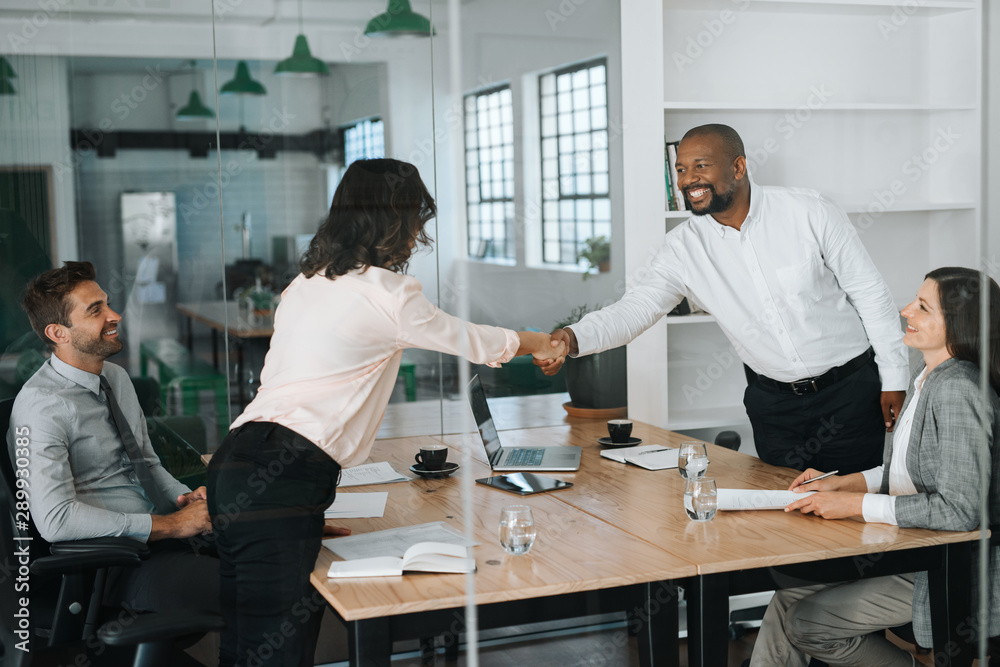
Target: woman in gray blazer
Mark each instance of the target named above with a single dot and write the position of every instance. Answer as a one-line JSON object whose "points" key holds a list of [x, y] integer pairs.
{"points": [[930, 478]]}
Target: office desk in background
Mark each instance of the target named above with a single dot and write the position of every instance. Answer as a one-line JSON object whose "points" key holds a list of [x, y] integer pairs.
{"points": [[227, 317]]}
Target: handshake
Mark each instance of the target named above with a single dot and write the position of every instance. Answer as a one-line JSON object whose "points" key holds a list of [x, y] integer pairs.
{"points": [[549, 350]]}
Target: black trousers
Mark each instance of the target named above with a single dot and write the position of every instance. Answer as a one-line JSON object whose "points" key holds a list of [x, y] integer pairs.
{"points": [[267, 489], [838, 428]]}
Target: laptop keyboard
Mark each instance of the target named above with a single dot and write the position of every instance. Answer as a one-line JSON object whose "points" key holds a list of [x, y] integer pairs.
{"points": [[524, 457]]}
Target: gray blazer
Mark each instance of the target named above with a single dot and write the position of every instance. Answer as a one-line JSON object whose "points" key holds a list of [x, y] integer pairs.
{"points": [[943, 460]]}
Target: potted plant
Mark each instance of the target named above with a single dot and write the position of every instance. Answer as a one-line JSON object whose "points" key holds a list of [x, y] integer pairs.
{"points": [[595, 381], [597, 253]]}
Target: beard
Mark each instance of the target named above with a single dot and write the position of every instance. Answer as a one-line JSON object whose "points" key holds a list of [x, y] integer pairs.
{"points": [[716, 203], [98, 346]]}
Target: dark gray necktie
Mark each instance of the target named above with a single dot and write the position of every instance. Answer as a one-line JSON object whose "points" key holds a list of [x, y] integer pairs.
{"points": [[139, 463]]}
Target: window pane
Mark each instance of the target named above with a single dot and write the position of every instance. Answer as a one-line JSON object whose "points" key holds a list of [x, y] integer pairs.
{"points": [[582, 165], [489, 146]]}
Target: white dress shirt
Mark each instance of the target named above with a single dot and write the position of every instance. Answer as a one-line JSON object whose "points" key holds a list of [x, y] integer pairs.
{"points": [[335, 354], [880, 508], [794, 290]]}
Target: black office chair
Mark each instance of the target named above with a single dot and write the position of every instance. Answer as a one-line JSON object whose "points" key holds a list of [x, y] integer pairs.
{"points": [[67, 587], [729, 440]]}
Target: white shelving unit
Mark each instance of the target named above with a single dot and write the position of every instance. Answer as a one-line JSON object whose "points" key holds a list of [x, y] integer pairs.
{"points": [[876, 104]]}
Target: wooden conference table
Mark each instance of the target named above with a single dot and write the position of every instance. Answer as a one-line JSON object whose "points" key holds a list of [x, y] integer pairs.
{"points": [[619, 539]]}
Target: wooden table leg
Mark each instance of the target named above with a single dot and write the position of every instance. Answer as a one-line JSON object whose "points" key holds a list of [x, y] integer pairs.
{"points": [[369, 643], [653, 622], [707, 598], [952, 623]]}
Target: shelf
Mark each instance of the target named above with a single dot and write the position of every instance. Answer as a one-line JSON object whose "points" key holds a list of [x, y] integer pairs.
{"points": [[913, 207], [690, 319], [858, 209], [792, 106], [880, 7], [727, 415]]}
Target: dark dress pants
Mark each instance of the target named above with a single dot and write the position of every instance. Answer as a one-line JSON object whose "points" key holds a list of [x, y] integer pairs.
{"points": [[267, 490], [838, 428]]}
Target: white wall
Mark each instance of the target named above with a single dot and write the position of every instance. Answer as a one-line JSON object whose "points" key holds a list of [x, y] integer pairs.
{"points": [[513, 42]]}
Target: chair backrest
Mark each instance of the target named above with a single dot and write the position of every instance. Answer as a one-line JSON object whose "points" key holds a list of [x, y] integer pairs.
{"points": [[7, 472]]}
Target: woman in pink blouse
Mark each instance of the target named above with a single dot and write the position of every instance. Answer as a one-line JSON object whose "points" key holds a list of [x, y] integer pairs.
{"points": [[339, 333]]}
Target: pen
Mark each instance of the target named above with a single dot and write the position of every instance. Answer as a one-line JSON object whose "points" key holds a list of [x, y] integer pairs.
{"points": [[823, 476], [653, 451]]}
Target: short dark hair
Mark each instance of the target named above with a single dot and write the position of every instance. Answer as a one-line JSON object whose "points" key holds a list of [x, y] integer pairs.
{"points": [[958, 291], [376, 219], [730, 138], [45, 299]]}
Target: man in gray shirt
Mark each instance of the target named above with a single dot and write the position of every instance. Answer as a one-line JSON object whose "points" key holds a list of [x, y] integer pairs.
{"points": [[73, 416]]}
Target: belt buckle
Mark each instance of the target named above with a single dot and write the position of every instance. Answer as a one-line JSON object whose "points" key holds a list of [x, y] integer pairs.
{"points": [[803, 387]]}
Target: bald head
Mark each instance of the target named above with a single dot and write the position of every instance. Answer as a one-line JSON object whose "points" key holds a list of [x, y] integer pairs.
{"points": [[731, 142]]}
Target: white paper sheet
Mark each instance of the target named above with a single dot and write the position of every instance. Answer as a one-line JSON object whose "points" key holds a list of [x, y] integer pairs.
{"points": [[370, 473], [758, 499], [395, 541], [357, 506]]}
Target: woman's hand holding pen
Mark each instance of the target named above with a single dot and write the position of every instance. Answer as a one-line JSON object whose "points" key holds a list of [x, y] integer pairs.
{"points": [[855, 482], [839, 497]]}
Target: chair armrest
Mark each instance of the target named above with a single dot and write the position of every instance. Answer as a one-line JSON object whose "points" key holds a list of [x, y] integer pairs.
{"points": [[82, 562], [107, 545], [159, 626]]}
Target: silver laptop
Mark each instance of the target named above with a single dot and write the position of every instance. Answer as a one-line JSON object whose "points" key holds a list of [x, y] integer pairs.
{"points": [[505, 459]]}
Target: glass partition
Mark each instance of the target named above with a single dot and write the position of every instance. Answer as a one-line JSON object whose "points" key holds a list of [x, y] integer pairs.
{"points": [[190, 151]]}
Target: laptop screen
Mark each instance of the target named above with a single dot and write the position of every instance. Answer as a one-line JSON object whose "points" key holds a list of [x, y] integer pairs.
{"points": [[484, 420]]}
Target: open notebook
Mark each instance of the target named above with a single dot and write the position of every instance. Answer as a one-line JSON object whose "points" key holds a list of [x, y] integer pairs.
{"points": [[650, 457]]}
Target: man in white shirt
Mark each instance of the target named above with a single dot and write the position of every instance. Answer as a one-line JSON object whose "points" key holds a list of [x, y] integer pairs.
{"points": [[787, 278]]}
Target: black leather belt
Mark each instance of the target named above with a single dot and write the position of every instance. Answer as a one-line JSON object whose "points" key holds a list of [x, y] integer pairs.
{"points": [[818, 383]]}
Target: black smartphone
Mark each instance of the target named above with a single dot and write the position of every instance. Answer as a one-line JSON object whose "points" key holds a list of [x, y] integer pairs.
{"points": [[524, 483]]}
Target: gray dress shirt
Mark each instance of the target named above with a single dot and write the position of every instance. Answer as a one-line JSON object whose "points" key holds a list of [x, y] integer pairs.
{"points": [[81, 482]]}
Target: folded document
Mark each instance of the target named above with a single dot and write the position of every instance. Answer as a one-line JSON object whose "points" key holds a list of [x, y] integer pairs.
{"points": [[757, 499]]}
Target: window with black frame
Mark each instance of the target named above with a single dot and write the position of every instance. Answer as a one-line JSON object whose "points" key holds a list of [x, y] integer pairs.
{"points": [[574, 142], [489, 168], [364, 140]]}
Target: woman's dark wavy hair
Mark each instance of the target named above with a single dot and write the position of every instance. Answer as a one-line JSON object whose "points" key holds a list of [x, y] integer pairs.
{"points": [[376, 219], [958, 290]]}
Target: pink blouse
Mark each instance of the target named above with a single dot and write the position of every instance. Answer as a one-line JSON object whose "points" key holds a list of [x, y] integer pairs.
{"points": [[336, 350]]}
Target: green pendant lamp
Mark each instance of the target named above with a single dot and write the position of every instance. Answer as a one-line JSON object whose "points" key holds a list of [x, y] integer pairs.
{"points": [[302, 62], [399, 20], [6, 74], [195, 109], [242, 83]]}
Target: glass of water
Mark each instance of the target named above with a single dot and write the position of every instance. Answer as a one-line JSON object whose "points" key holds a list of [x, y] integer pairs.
{"points": [[517, 529], [692, 450], [701, 498]]}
